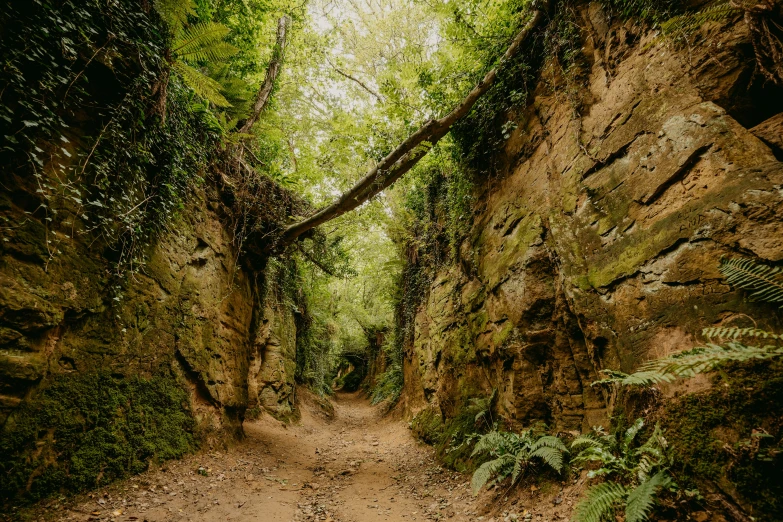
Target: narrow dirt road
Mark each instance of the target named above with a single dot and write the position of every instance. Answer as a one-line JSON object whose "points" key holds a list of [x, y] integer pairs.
{"points": [[356, 467]]}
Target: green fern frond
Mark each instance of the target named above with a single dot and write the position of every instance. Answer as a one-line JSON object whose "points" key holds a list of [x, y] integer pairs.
{"points": [[549, 441], [489, 470], [734, 333], [766, 282], [704, 359], [175, 12], [600, 503], [642, 498], [595, 454], [695, 361], [630, 433], [550, 455], [216, 52], [202, 85], [488, 442], [520, 463], [687, 23], [203, 42], [645, 466], [656, 440], [594, 449], [587, 440], [652, 454], [641, 378]]}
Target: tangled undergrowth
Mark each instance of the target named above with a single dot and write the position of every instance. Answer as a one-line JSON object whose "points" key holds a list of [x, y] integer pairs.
{"points": [[78, 102]]}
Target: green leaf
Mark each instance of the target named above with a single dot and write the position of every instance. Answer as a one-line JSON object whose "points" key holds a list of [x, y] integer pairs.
{"points": [[203, 42], [600, 503], [552, 456], [642, 499], [766, 282], [202, 85], [489, 470]]}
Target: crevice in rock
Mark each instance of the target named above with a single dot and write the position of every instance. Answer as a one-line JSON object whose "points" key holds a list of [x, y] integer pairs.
{"points": [[678, 175], [194, 379], [610, 158]]}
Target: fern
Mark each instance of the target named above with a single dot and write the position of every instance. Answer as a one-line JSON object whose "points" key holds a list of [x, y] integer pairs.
{"points": [[652, 455], [203, 42], [642, 498], [488, 442], [483, 408], [685, 24], [550, 441], [514, 453], [734, 333], [586, 441], [706, 358], [692, 362], [641, 378], [601, 502], [630, 433], [553, 457], [202, 85], [520, 463], [175, 12], [194, 45], [489, 470], [594, 449], [766, 282], [626, 463]]}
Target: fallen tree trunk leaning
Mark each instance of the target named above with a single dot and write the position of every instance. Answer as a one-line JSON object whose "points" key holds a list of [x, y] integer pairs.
{"points": [[413, 149]]}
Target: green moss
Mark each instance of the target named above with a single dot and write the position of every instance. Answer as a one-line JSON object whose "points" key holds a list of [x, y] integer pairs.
{"points": [[427, 426], [502, 335], [527, 232], [455, 444], [462, 350], [711, 435], [83, 431]]}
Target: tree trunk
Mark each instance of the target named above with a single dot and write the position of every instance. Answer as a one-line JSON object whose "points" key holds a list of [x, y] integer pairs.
{"points": [[408, 154], [262, 98]]}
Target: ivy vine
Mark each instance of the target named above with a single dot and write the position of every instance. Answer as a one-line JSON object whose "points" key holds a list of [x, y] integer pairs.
{"points": [[80, 92]]}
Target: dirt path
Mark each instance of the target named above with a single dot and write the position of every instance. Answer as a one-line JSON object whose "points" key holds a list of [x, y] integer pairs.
{"points": [[356, 467]]}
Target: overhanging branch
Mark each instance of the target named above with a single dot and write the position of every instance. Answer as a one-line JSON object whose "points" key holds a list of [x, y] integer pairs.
{"points": [[413, 149]]}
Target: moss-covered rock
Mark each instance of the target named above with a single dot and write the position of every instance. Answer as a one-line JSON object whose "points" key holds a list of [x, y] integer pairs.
{"points": [[730, 438], [86, 430]]}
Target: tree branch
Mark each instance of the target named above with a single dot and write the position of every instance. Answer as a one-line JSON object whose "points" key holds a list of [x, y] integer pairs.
{"points": [[262, 98], [410, 152], [356, 80], [314, 261]]}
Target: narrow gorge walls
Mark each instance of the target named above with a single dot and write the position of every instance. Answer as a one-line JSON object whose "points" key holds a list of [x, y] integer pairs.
{"points": [[597, 239], [99, 380]]}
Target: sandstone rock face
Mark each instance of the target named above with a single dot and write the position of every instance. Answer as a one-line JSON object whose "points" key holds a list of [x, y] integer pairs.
{"points": [[597, 245], [273, 361], [191, 316]]}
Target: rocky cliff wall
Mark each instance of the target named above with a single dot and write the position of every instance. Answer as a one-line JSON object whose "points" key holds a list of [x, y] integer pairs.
{"points": [[597, 240], [96, 380]]}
